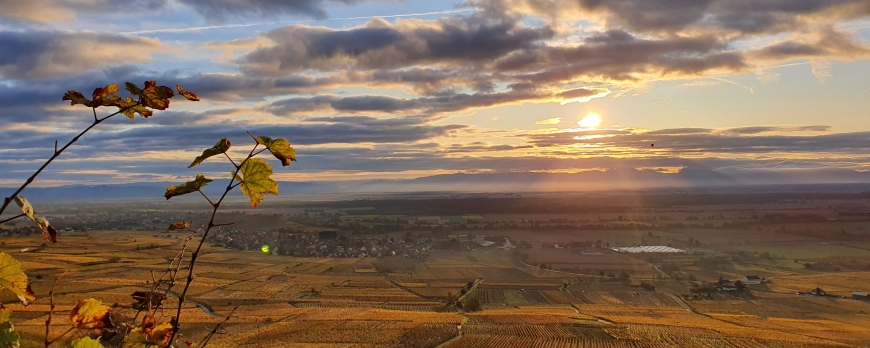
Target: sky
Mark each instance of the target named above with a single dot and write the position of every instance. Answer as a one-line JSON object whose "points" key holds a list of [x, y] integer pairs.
{"points": [[396, 89]]}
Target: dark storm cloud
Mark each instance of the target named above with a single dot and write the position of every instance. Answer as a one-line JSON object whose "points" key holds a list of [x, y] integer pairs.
{"points": [[36, 54], [446, 102], [657, 16], [381, 45], [620, 55], [192, 134]]}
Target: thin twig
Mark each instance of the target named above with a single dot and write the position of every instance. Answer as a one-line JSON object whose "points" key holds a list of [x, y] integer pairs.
{"points": [[219, 326], [231, 160], [224, 224], [171, 281], [50, 311], [206, 197], [57, 153], [12, 218], [176, 323]]}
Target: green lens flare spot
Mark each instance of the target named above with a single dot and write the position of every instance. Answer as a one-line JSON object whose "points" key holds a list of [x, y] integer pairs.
{"points": [[265, 248]]}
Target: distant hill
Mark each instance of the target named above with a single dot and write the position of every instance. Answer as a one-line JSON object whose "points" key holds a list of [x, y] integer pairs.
{"points": [[624, 179]]}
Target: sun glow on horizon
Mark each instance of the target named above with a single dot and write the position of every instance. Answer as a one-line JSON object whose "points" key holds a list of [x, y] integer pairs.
{"points": [[591, 120]]}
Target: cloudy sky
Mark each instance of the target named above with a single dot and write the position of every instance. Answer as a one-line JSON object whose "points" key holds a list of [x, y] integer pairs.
{"points": [[408, 88]]}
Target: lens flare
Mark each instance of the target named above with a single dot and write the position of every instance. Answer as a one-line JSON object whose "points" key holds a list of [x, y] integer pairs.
{"points": [[265, 248], [592, 120]]}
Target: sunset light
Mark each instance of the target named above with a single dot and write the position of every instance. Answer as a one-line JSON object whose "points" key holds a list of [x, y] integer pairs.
{"points": [[591, 120], [422, 174]]}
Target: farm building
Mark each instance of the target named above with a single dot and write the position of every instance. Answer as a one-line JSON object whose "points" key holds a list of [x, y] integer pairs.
{"points": [[751, 280], [728, 287], [818, 292], [861, 296], [648, 249]]}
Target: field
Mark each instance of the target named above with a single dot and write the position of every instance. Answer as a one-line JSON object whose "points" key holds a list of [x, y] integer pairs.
{"points": [[396, 302], [541, 280]]}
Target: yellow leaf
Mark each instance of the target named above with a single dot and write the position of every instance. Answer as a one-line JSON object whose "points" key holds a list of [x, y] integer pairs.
{"points": [[280, 148], [91, 314], [86, 342], [12, 278], [255, 178]]}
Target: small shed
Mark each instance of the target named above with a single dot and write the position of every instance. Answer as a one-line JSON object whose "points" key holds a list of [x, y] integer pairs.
{"points": [[861, 296], [818, 292]]}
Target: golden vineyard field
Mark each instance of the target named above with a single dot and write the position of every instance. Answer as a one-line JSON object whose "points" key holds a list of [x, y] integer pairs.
{"points": [[304, 302]]}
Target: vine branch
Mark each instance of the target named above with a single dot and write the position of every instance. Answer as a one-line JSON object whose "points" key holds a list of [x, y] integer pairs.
{"points": [[176, 323], [57, 153]]}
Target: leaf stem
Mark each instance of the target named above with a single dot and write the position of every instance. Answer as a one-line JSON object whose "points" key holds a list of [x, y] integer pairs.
{"points": [[176, 322], [57, 153]]}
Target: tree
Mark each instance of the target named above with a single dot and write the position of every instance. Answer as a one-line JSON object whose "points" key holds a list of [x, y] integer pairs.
{"points": [[739, 285]]}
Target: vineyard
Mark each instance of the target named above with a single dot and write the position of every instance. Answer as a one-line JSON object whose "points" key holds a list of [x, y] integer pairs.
{"points": [[302, 302]]}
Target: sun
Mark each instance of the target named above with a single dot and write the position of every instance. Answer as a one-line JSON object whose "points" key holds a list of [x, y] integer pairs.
{"points": [[591, 120]]}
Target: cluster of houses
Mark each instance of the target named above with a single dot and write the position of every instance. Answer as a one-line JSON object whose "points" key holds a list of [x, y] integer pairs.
{"points": [[727, 285]]}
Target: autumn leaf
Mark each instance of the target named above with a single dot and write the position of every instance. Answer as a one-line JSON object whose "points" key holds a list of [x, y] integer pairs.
{"points": [[181, 225], [91, 314], [280, 148], [26, 208], [103, 95], [5, 315], [48, 232], [145, 299], [76, 98], [188, 187], [86, 342], [221, 147], [255, 180], [8, 336], [132, 88], [156, 97], [189, 95], [12, 278], [150, 336], [148, 323], [130, 107]]}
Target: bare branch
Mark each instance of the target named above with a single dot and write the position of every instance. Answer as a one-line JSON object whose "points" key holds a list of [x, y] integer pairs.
{"points": [[206, 197], [176, 321], [218, 329], [57, 153], [50, 311], [12, 218], [231, 160]]}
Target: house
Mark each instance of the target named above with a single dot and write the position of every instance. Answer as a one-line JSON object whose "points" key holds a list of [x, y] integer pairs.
{"points": [[818, 292], [751, 280], [861, 296], [727, 287]]}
